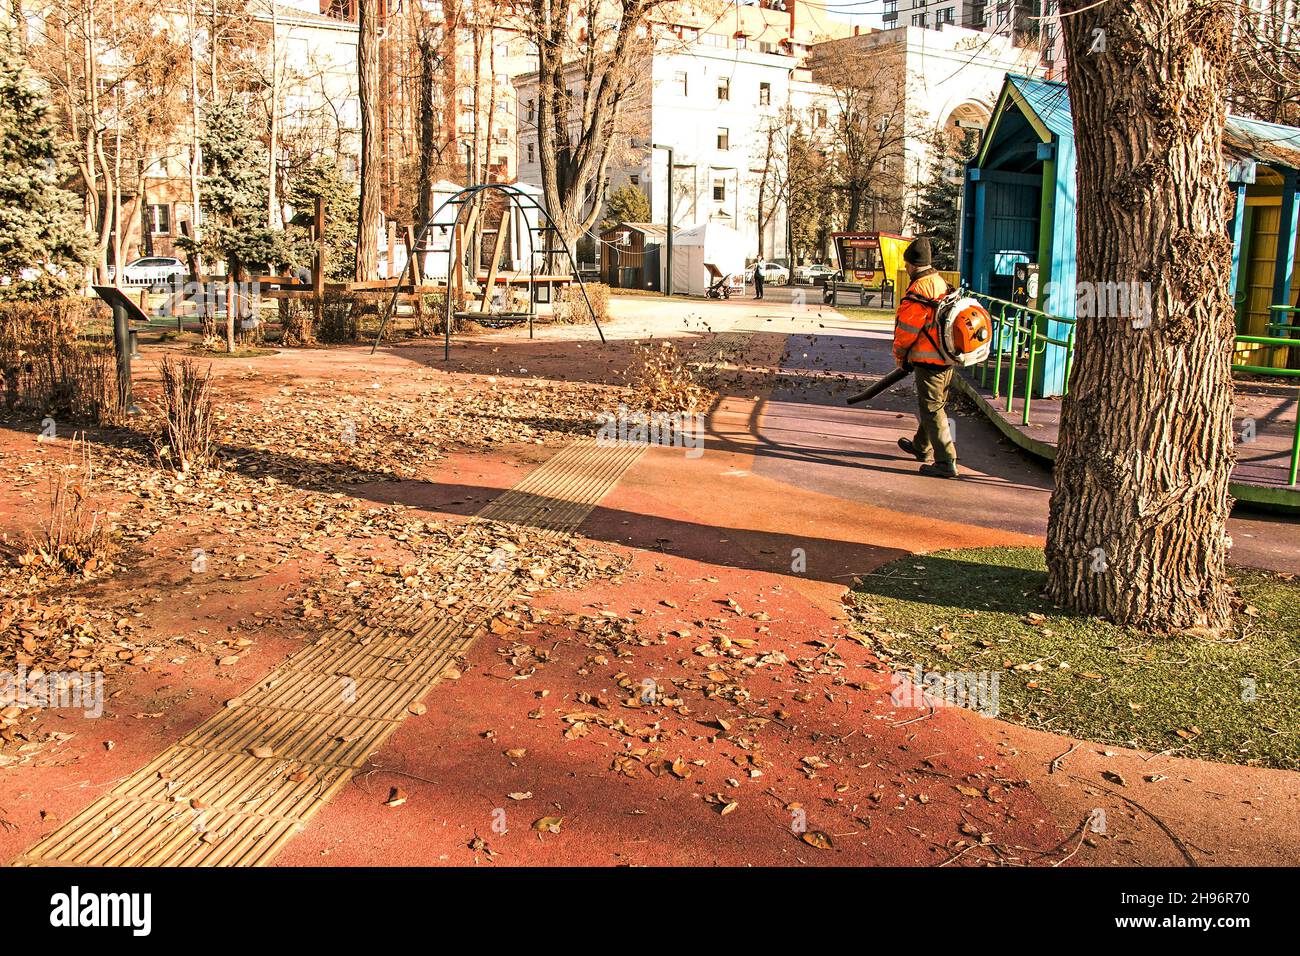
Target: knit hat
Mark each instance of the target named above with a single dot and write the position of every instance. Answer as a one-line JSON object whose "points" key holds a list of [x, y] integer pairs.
{"points": [[918, 253]]}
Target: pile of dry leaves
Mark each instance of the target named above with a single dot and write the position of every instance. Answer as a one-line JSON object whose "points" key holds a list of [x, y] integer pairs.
{"points": [[665, 382]]}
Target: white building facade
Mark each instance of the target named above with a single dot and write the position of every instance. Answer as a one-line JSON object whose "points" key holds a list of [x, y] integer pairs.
{"points": [[722, 111]]}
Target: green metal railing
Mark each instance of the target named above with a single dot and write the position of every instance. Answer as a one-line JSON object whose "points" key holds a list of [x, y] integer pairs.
{"points": [[1016, 334], [1020, 339], [1280, 312]]}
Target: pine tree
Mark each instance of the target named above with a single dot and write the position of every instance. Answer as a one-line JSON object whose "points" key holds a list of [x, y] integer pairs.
{"points": [[236, 190], [625, 204], [324, 180], [939, 205], [43, 249]]}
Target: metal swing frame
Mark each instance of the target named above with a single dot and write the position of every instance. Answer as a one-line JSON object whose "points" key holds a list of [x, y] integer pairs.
{"points": [[462, 199]]}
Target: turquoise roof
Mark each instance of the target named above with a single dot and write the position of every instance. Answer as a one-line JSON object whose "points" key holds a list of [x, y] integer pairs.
{"points": [[1049, 100], [1271, 143]]}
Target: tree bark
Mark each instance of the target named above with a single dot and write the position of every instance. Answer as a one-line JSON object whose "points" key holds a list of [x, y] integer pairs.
{"points": [[1138, 516], [367, 257], [429, 124]]}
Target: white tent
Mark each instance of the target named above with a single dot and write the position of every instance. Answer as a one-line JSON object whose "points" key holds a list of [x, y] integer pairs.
{"points": [[522, 223], [708, 243], [438, 239]]}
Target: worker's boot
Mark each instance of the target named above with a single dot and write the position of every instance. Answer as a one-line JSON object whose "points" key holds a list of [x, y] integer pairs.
{"points": [[907, 446], [941, 469]]}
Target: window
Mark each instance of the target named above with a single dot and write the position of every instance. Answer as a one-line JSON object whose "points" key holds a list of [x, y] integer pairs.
{"points": [[160, 220], [719, 190], [350, 113], [918, 20], [530, 153], [943, 16], [764, 94], [531, 108], [634, 179], [724, 88], [819, 117], [724, 138], [679, 83]]}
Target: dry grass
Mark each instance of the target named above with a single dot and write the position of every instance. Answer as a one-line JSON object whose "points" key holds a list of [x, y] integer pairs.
{"points": [[187, 415], [49, 367], [74, 535], [571, 308]]}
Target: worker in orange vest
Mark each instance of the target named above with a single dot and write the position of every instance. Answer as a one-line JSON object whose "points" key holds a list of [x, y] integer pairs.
{"points": [[916, 344]]}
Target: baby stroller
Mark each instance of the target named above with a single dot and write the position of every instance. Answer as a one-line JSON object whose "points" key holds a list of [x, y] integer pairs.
{"points": [[719, 284]]}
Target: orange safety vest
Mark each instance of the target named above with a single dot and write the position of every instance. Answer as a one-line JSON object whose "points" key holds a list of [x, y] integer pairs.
{"points": [[910, 345]]}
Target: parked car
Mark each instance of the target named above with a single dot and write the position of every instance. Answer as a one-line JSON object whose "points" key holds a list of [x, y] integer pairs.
{"points": [[815, 273], [774, 272], [153, 270]]}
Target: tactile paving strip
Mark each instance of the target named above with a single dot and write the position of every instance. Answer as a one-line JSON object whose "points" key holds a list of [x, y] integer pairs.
{"points": [[723, 348], [236, 788]]}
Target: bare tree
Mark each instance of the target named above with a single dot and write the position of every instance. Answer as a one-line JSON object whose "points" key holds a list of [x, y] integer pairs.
{"points": [[868, 132], [368, 216], [591, 56], [1265, 74]]}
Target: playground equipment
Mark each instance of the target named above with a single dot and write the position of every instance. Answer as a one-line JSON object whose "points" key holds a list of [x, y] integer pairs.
{"points": [[125, 310], [463, 251]]}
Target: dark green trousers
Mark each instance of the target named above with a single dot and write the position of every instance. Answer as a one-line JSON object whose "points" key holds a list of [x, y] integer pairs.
{"points": [[932, 433]]}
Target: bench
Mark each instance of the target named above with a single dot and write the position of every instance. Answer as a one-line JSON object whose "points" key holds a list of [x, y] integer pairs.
{"points": [[834, 288]]}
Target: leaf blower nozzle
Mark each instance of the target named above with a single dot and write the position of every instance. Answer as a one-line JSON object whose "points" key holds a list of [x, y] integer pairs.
{"points": [[886, 383]]}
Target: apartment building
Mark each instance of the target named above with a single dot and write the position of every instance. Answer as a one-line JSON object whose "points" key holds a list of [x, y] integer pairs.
{"points": [[722, 90], [950, 80], [318, 113], [1027, 23]]}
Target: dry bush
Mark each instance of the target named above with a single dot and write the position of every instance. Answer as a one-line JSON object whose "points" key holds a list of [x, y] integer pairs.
{"points": [[297, 321], [50, 367], [75, 536], [571, 308], [435, 313], [187, 414], [663, 382], [340, 318]]}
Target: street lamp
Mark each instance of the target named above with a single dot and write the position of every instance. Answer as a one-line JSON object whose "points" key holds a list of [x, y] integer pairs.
{"points": [[668, 281]]}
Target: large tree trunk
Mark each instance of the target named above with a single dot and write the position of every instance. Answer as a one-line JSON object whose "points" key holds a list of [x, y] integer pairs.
{"points": [[1137, 525], [372, 172], [429, 125]]}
